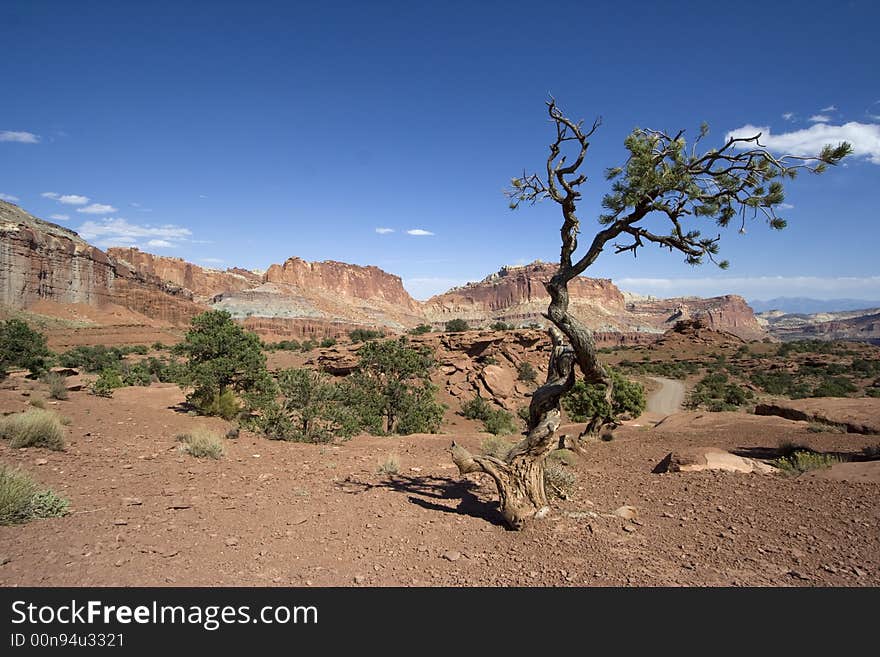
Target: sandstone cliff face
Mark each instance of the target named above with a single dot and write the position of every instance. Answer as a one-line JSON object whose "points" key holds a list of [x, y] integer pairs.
{"points": [[728, 313], [41, 261], [204, 283], [517, 295]]}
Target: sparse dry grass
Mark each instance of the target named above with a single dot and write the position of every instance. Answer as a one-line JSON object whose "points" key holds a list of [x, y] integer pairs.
{"points": [[21, 498], [390, 466], [202, 443], [33, 428]]}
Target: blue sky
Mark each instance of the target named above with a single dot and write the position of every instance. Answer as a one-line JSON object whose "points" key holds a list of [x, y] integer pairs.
{"points": [[240, 134]]}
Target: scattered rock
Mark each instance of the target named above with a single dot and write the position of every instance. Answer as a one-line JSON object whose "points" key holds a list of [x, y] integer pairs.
{"points": [[358, 579], [452, 555], [626, 512], [41, 461], [231, 541], [132, 501], [498, 381]]}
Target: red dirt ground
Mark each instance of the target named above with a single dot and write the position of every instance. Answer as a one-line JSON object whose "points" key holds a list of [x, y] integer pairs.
{"points": [[274, 513]]}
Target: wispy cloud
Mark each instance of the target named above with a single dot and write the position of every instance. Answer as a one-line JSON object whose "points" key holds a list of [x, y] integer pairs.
{"points": [[757, 287], [384, 231], [97, 208], [67, 199], [419, 232], [59, 217], [786, 206], [864, 137], [7, 197], [20, 137], [121, 232], [830, 108], [819, 118], [788, 116]]}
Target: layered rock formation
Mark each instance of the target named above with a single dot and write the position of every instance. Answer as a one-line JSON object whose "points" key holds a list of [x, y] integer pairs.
{"points": [[41, 261], [861, 325], [517, 295], [203, 282]]}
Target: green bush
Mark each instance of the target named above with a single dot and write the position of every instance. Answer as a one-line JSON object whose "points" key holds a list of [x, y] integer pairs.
{"points": [[33, 428], [558, 480], [220, 356], [391, 389], [92, 359], [21, 498], [835, 386], [497, 447], [526, 372], [202, 443], [364, 335], [109, 379], [328, 342], [137, 374], [586, 401], [803, 461], [311, 408], [456, 326], [872, 392], [21, 346], [421, 329], [502, 326], [496, 421], [716, 393], [223, 404]]}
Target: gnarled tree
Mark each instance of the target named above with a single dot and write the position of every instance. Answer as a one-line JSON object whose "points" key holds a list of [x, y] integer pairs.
{"points": [[661, 177]]}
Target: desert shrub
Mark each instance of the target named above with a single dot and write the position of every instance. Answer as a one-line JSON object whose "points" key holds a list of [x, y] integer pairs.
{"points": [[456, 326], [328, 342], [137, 374], [57, 386], [223, 404], [526, 372], [872, 392], [158, 346], [109, 379], [220, 356], [502, 326], [390, 465], [496, 421], [496, 446], [140, 349], [364, 335], [311, 408], [421, 329], [821, 427], [21, 498], [37, 402], [717, 393], [391, 389], [91, 359], [202, 443], [476, 408], [669, 369], [33, 428], [307, 345], [834, 386], [523, 414], [558, 480], [865, 367], [563, 456], [804, 460], [585, 401], [21, 346]]}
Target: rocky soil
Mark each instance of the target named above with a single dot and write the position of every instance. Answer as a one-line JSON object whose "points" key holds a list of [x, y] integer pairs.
{"points": [[273, 513]]}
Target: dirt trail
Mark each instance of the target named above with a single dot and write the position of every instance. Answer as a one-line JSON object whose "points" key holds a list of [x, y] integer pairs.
{"points": [[668, 398]]}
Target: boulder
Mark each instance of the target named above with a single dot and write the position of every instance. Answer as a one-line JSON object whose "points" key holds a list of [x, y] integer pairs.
{"points": [[698, 459], [498, 381]]}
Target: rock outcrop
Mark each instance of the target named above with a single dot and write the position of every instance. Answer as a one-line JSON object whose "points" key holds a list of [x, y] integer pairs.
{"points": [[860, 325], [204, 283]]}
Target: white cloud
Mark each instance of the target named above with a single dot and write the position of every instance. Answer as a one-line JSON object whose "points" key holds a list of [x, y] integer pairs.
{"points": [[819, 118], [424, 288], [864, 137], [788, 116], [830, 108], [121, 232], [59, 217], [97, 208], [73, 199], [418, 232], [53, 195], [20, 137], [786, 206], [758, 287], [7, 197], [384, 231]]}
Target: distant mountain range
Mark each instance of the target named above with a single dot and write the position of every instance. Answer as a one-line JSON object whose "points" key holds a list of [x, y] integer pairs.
{"points": [[807, 306]]}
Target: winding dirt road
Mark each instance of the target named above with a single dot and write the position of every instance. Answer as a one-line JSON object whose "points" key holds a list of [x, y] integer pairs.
{"points": [[668, 398]]}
